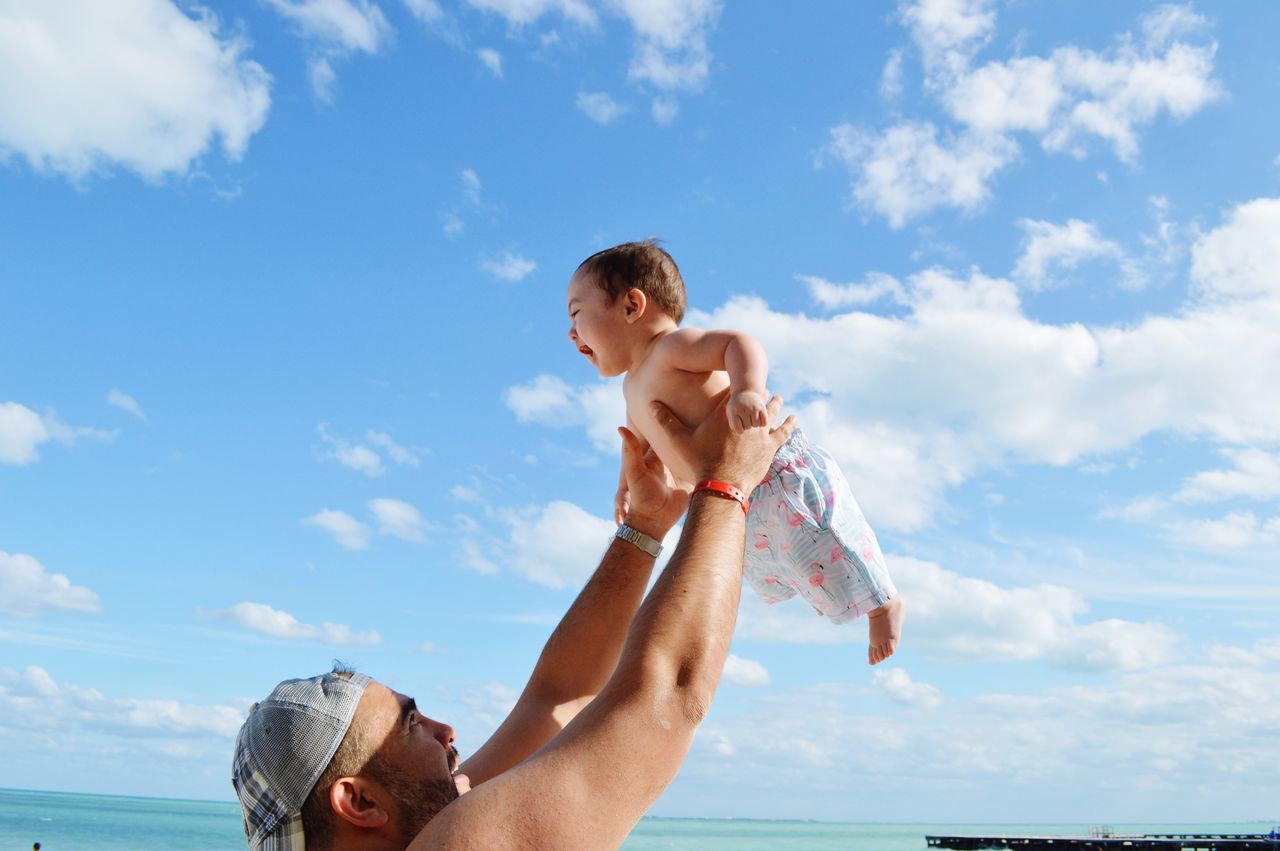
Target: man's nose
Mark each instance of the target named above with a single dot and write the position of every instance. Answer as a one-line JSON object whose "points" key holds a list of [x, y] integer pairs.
{"points": [[444, 734]]}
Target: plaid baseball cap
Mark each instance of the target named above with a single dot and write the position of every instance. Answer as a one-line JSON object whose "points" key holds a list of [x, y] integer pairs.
{"points": [[283, 747]]}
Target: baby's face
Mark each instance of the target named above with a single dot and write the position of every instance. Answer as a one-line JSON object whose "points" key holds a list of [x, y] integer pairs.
{"points": [[597, 327]]}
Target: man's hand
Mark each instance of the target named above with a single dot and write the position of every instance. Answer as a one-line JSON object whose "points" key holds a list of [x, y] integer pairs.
{"points": [[747, 410], [716, 452], [654, 502], [621, 502]]}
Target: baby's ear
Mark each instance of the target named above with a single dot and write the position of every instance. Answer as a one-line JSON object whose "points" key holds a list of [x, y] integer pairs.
{"points": [[636, 302]]}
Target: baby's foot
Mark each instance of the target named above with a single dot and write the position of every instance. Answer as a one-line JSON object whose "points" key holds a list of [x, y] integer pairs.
{"points": [[886, 629]]}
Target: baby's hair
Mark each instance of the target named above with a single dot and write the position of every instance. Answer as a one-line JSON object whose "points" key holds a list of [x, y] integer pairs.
{"points": [[644, 266]]}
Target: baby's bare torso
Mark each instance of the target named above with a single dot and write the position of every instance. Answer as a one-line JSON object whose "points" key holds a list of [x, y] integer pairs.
{"points": [[691, 396]]}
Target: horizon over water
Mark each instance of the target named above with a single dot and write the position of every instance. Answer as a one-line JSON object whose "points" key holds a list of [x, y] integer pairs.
{"points": [[71, 820]]}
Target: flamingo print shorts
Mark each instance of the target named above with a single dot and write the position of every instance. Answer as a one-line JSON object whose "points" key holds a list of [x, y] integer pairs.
{"points": [[806, 534]]}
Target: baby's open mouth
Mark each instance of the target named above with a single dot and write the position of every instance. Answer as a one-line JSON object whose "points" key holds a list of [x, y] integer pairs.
{"points": [[586, 350]]}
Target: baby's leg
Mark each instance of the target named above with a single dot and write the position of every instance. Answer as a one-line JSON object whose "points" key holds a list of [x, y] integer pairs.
{"points": [[886, 629], [842, 552]]}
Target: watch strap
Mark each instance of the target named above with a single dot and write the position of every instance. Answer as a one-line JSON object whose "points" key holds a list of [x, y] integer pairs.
{"points": [[649, 544]]}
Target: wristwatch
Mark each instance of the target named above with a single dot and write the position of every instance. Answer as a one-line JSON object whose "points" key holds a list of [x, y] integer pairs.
{"points": [[634, 536]]}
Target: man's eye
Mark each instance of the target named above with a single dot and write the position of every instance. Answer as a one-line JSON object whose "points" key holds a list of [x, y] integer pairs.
{"points": [[413, 720]]}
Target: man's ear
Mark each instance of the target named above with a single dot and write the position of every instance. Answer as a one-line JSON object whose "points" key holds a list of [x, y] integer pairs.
{"points": [[635, 303], [359, 801]]}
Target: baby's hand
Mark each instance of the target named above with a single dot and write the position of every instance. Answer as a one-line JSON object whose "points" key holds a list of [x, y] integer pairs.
{"points": [[747, 410]]}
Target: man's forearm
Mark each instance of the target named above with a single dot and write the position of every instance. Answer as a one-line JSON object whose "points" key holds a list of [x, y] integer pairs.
{"points": [[681, 635], [577, 660], [581, 653]]}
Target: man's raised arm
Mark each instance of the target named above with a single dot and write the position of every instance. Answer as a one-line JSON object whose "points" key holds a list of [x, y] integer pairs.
{"points": [[593, 781], [583, 650]]}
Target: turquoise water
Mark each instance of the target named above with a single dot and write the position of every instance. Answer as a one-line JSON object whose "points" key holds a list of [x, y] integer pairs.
{"points": [[61, 822]]}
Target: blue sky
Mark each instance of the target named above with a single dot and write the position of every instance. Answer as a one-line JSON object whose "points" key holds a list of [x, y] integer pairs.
{"points": [[284, 376]]}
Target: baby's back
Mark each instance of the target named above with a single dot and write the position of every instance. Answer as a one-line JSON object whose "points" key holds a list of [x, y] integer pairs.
{"points": [[691, 396]]}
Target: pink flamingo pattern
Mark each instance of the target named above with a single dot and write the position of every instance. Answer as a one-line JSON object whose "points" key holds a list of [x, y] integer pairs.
{"points": [[808, 536]]}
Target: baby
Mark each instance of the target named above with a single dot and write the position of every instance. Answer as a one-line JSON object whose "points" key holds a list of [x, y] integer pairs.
{"points": [[805, 532]]}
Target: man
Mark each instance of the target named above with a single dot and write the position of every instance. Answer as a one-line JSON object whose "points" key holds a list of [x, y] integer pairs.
{"points": [[600, 730]]}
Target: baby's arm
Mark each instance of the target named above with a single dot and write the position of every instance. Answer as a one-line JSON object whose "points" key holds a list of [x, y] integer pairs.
{"points": [[735, 352]]}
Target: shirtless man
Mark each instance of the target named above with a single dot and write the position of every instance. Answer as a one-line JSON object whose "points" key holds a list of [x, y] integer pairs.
{"points": [[600, 730]]}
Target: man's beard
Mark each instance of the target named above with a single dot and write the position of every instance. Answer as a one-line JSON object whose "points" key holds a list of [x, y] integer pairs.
{"points": [[419, 799]]}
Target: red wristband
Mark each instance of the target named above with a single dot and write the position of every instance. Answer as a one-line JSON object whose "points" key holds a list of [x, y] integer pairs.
{"points": [[723, 489]]}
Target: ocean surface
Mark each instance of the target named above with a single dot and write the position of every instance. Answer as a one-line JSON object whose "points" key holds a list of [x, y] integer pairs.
{"points": [[61, 822]]}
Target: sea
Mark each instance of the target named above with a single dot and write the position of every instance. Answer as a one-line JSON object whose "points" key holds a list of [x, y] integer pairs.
{"points": [[61, 822]]}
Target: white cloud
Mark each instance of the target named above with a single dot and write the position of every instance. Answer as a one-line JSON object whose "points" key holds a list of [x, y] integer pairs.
{"points": [[509, 267], [546, 399], [474, 558], [487, 704], [1075, 93], [965, 381], [471, 185], [556, 545], [521, 13], [1143, 508], [898, 684], [1256, 476], [491, 59], [1164, 24], [349, 532], [1204, 733], [549, 400], [22, 431], [347, 25], [427, 11], [1065, 99], [955, 619], [32, 699], [1264, 650], [362, 458], [275, 623], [452, 225], [1237, 530], [353, 456], [399, 519], [891, 76], [399, 454], [320, 72], [745, 672], [665, 110], [137, 84], [335, 28], [949, 33], [126, 402], [1050, 250], [671, 50], [462, 493], [907, 171], [878, 287], [27, 590], [599, 107], [1240, 259]]}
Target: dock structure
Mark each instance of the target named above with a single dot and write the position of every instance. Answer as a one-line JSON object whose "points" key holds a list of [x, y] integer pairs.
{"points": [[1114, 842]]}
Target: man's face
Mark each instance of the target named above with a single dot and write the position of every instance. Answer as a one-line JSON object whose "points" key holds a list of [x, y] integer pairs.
{"points": [[414, 757]]}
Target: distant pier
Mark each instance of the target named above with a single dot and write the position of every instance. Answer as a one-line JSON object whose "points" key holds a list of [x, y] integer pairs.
{"points": [[1104, 840]]}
